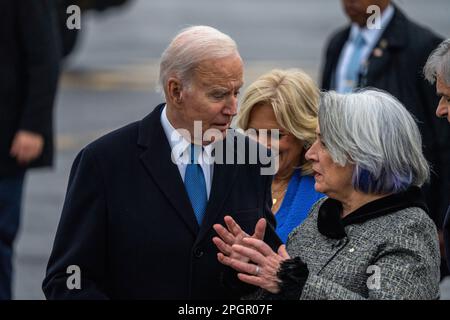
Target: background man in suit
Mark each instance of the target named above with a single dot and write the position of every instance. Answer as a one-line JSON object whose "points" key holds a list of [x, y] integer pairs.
{"points": [[29, 64], [137, 219], [391, 58], [437, 69]]}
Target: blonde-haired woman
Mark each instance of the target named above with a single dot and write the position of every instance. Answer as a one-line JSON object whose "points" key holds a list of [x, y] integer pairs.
{"points": [[286, 100]]}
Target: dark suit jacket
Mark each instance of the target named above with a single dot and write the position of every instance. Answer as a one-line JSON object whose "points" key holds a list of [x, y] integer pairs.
{"points": [[447, 237], [127, 221], [399, 71], [29, 58]]}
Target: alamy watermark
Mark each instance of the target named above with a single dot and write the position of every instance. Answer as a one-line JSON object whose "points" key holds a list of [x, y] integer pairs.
{"points": [[265, 152], [74, 20], [74, 279], [374, 280], [373, 21]]}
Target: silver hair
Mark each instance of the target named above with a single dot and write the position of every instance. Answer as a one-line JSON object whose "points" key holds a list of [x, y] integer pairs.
{"points": [[373, 130], [438, 63], [191, 46]]}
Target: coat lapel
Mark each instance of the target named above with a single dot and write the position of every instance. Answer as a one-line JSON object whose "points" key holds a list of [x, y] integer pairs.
{"points": [[223, 179], [156, 158], [391, 40], [329, 78]]}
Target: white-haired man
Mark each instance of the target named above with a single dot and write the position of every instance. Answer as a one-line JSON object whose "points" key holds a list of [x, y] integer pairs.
{"points": [[137, 219], [437, 69]]}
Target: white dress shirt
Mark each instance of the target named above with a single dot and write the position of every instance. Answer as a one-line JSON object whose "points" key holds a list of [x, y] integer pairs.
{"points": [[371, 37], [181, 152]]}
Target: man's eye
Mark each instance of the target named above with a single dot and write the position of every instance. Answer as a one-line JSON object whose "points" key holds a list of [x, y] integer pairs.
{"points": [[217, 94], [446, 99]]}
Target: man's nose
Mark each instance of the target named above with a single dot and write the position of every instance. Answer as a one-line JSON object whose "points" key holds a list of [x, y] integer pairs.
{"points": [[231, 106], [442, 110]]}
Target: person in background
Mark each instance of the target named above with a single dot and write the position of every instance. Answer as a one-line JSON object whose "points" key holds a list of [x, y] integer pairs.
{"points": [[371, 238], [390, 57], [285, 100], [437, 69], [29, 64]]}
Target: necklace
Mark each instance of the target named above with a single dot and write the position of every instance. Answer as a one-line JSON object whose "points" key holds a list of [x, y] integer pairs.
{"points": [[279, 194], [275, 199]]}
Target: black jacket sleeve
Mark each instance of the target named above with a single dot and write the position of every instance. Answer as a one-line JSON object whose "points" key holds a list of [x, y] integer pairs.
{"points": [[81, 235], [41, 52]]}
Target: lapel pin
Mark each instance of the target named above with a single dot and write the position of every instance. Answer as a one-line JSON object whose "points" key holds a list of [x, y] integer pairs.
{"points": [[351, 250], [383, 44], [377, 52]]}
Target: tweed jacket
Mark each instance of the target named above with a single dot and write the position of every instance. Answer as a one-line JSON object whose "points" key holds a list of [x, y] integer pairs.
{"points": [[387, 249]]}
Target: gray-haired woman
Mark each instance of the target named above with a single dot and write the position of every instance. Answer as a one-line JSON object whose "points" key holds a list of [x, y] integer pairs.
{"points": [[371, 238]]}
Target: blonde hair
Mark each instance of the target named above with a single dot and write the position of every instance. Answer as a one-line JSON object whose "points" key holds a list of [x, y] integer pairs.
{"points": [[294, 98]]}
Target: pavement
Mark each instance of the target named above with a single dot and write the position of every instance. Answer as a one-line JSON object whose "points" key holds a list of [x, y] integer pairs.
{"points": [[110, 80]]}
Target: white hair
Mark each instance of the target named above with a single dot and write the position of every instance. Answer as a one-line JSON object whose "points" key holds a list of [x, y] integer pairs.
{"points": [[190, 47], [438, 63], [373, 130]]}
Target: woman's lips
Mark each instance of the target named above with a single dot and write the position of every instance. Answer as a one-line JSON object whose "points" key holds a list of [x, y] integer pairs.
{"points": [[316, 174]]}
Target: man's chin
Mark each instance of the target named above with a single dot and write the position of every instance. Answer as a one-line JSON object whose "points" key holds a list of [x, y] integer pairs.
{"points": [[214, 134], [221, 127]]}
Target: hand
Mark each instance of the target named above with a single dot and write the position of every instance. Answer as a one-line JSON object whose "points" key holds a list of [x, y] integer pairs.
{"points": [[26, 146], [234, 235], [264, 273]]}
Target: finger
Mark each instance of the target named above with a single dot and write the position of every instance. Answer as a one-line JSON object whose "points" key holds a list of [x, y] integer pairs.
{"points": [[282, 252], [259, 245], [266, 284], [222, 246], [223, 259], [250, 253], [234, 228], [251, 279], [260, 229], [26, 154], [32, 152], [22, 159], [224, 234], [21, 153], [237, 265]]}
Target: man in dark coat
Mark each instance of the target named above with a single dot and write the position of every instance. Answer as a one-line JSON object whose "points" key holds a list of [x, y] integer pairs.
{"points": [[137, 218], [390, 56], [29, 61], [437, 70]]}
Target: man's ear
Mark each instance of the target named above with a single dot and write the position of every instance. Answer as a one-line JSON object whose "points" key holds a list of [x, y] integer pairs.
{"points": [[175, 91]]}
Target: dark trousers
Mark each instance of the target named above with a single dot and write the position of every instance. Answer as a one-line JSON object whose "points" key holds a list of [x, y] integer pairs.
{"points": [[447, 237], [10, 204]]}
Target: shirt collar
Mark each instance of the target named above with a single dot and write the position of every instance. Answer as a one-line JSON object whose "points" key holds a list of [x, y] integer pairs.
{"points": [[330, 223], [178, 144], [372, 35]]}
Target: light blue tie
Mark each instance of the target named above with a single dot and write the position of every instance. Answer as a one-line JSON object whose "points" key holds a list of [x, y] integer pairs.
{"points": [[195, 184], [354, 65]]}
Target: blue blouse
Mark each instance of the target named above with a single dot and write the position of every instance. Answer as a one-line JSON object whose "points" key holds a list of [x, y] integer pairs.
{"points": [[299, 198]]}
